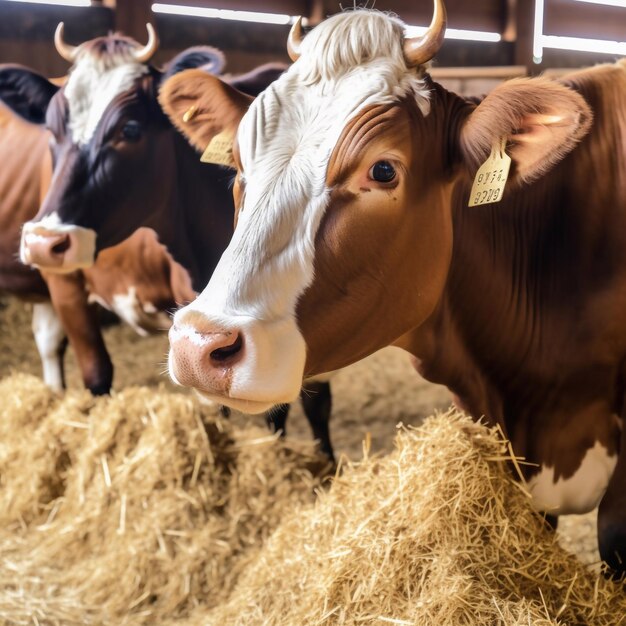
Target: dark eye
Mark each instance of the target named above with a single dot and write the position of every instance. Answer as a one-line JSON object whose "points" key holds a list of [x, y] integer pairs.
{"points": [[382, 172], [131, 131]]}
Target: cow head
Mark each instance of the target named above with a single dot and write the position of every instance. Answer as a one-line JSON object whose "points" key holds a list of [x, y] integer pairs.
{"points": [[110, 145], [346, 171]]}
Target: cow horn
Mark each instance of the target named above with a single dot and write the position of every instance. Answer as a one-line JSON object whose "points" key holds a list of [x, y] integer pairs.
{"points": [[294, 42], [144, 54], [420, 50], [65, 50]]}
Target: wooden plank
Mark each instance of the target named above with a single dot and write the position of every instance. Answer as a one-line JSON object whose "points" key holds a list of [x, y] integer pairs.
{"points": [[567, 18], [484, 15], [525, 20], [131, 17], [290, 7], [504, 72], [27, 33]]}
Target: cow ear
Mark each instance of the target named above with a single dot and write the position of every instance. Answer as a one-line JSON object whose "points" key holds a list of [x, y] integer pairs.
{"points": [[202, 106], [209, 59], [26, 92], [257, 80], [541, 121]]}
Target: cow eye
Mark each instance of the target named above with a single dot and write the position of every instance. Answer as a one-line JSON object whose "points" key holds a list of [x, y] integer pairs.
{"points": [[382, 172], [131, 131]]}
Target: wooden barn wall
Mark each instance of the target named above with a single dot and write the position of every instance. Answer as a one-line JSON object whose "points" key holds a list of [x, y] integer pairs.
{"points": [[26, 33]]}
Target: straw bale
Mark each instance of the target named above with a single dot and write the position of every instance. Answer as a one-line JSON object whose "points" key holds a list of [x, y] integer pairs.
{"points": [[436, 533], [140, 508], [146, 508]]}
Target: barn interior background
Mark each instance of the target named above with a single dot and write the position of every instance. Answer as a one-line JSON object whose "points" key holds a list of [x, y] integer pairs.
{"points": [[533, 34], [487, 41]]}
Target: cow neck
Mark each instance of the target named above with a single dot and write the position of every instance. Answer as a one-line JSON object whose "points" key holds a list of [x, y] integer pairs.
{"points": [[195, 223], [525, 275]]}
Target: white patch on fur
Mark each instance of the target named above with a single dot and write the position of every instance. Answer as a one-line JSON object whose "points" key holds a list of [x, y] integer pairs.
{"points": [[129, 308], [349, 62], [579, 493], [94, 298], [49, 336], [93, 84]]}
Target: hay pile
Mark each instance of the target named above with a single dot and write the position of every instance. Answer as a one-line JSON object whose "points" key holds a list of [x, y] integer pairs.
{"points": [[146, 509], [436, 533], [142, 508]]}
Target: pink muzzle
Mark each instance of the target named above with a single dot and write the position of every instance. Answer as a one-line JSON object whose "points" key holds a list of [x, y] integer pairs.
{"points": [[203, 357], [62, 248]]}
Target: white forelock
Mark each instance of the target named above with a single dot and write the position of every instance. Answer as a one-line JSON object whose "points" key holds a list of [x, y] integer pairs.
{"points": [[349, 62], [93, 83]]}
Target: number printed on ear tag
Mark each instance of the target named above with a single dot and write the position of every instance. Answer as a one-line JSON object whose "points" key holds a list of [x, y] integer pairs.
{"points": [[491, 177], [220, 150]]}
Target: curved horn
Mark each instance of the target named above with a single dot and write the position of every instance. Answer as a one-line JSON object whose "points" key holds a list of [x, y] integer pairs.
{"points": [[420, 50], [294, 42], [144, 54], [65, 50]]}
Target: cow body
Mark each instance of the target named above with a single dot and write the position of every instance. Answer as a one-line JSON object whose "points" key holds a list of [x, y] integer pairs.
{"points": [[529, 331], [360, 212], [20, 190]]}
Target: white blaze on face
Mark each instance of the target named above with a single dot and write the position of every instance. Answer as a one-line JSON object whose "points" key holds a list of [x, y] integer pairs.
{"points": [[95, 80], [349, 62], [93, 84], [581, 492]]}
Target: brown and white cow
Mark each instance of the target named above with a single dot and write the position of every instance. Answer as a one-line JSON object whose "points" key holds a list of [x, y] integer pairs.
{"points": [[120, 164], [354, 174]]}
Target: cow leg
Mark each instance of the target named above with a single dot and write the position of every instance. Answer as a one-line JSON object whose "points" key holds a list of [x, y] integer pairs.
{"points": [[51, 344], [276, 418], [316, 401], [81, 324], [612, 516]]}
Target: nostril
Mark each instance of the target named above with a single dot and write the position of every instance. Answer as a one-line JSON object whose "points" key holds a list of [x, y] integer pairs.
{"points": [[61, 246], [226, 352]]}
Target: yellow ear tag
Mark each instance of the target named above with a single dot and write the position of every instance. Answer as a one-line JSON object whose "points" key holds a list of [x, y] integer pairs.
{"points": [[220, 150], [190, 113], [491, 177]]}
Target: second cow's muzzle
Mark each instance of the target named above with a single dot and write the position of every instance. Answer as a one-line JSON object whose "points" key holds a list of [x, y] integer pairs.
{"points": [[59, 248]]}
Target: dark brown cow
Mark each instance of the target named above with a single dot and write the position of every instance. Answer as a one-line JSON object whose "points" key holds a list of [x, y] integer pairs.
{"points": [[120, 164], [138, 279], [354, 175]]}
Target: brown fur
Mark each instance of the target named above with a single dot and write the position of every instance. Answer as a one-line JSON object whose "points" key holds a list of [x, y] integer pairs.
{"points": [[143, 263], [518, 306], [541, 120], [209, 95]]}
